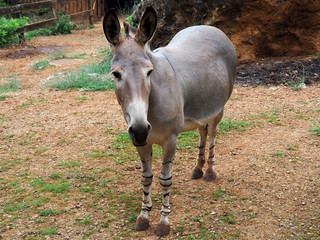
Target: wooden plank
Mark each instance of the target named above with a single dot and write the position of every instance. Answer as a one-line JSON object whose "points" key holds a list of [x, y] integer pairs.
{"points": [[83, 13], [26, 7], [34, 26]]}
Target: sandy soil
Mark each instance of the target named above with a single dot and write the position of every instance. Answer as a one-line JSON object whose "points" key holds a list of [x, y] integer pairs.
{"points": [[268, 175]]}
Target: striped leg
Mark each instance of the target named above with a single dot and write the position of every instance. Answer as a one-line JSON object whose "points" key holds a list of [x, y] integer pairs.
{"points": [[197, 171], [147, 176], [165, 177], [212, 132]]}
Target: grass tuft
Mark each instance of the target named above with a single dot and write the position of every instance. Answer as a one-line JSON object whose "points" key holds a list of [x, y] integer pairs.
{"points": [[91, 77], [226, 126], [40, 65], [11, 85]]}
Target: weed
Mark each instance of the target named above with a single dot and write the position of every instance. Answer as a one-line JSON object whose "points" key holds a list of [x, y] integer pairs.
{"points": [[87, 189], [86, 221], [219, 193], [228, 219], [12, 208], [291, 148], [55, 176], [48, 212], [8, 136], [12, 85], [60, 54], [3, 97], [226, 126], [315, 127], [273, 117], [187, 140], [56, 188], [35, 33], [81, 98], [278, 154], [41, 150], [298, 78], [50, 231], [38, 182], [69, 164], [40, 65], [196, 219], [89, 77]]}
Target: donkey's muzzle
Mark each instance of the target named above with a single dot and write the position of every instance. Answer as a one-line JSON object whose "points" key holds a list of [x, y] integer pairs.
{"points": [[139, 134]]}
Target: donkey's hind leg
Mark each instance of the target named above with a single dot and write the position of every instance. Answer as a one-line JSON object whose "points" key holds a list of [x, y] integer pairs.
{"points": [[212, 132], [197, 171]]}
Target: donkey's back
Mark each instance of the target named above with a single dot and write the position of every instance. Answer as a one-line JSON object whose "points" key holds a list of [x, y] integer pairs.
{"points": [[204, 61]]}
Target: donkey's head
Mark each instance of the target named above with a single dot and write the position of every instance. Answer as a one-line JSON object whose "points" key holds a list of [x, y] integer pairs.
{"points": [[132, 69]]}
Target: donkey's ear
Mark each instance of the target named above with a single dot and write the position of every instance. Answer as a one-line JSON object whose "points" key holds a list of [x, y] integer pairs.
{"points": [[111, 27], [147, 26]]}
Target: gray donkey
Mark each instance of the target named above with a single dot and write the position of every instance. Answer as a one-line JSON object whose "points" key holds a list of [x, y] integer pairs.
{"points": [[172, 89]]}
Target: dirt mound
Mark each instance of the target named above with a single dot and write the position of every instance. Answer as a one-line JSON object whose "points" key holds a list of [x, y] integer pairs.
{"points": [[258, 28], [273, 28]]}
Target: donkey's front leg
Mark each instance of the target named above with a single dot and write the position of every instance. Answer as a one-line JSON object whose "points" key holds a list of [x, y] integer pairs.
{"points": [[165, 177], [147, 176]]}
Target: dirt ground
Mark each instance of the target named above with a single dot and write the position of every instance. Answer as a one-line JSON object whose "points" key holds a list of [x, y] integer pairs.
{"points": [[268, 184]]}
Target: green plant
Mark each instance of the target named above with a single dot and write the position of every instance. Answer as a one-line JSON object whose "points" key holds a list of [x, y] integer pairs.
{"points": [[91, 77], [298, 78], [4, 3], [228, 219], [60, 54], [40, 65], [64, 26], [38, 32], [315, 127], [3, 97], [228, 125], [55, 176], [69, 164], [48, 212], [12, 85], [8, 29], [50, 231], [219, 193]]}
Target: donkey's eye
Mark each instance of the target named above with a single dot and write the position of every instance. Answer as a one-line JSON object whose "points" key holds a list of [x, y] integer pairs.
{"points": [[117, 75], [149, 73]]}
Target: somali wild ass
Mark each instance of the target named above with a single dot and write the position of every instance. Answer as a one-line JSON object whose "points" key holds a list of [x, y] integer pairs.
{"points": [[176, 88]]}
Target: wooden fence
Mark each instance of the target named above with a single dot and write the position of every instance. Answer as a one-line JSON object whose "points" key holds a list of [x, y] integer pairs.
{"points": [[74, 8]]}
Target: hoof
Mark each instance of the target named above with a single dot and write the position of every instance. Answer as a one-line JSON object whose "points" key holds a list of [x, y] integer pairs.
{"points": [[142, 224], [210, 176], [197, 173], [162, 229]]}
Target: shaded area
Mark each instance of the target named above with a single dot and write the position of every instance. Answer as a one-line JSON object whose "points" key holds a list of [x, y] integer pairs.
{"points": [[278, 71], [32, 51]]}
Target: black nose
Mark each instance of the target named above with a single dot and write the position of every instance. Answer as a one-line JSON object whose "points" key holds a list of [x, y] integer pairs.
{"points": [[139, 134]]}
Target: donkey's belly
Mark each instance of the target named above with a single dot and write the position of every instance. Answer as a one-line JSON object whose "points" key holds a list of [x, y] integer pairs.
{"points": [[191, 123]]}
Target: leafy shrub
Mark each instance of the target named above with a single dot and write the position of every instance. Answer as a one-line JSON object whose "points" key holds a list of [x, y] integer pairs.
{"points": [[8, 28], [4, 3], [63, 26]]}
